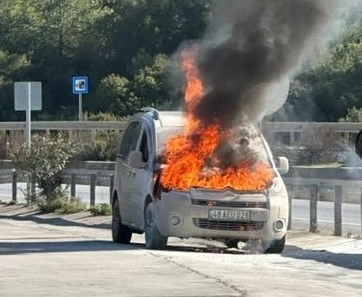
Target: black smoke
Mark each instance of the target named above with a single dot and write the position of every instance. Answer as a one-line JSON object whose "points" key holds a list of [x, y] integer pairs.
{"points": [[250, 51]]}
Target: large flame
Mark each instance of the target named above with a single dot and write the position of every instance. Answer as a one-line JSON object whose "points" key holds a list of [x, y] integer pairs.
{"points": [[188, 154]]}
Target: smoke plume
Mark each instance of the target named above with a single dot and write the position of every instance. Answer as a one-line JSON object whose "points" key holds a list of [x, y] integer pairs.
{"points": [[251, 49]]}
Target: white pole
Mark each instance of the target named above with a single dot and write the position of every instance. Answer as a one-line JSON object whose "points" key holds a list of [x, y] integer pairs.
{"points": [[80, 117]]}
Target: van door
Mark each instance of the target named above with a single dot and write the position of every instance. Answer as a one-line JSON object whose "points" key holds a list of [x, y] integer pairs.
{"points": [[142, 178], [124, 171]]}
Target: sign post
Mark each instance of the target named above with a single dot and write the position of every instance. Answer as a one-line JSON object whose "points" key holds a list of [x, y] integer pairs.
{"points": [[28, 97], [80, 87]]}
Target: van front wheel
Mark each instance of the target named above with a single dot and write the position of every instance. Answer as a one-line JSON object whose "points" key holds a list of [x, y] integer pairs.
{"points": [[275, 246], [154, 239]]}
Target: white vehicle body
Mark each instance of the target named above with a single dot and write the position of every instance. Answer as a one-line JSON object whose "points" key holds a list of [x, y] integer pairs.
{"points": [[140, 205]]}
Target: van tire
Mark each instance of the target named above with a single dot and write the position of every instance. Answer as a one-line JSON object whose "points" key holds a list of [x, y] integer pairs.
{"points": [[232, 243], [120, 233], [154, 239], [275, 246]]}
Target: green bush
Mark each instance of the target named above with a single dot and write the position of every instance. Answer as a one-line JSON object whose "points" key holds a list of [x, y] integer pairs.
{"points": [[97, 145], [73, 205], [51, 205], [354, 115], [102, 209], [7, 203], [45, 161], [62, 205]]}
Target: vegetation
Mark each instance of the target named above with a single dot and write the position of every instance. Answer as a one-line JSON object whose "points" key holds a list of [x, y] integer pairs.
{"points": [[330, 87], [353, 115], [123, 46], [45, 162], [102, 209], [61, 205]]}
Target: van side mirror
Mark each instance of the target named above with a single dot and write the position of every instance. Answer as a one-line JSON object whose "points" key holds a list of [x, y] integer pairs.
{"points": [[135, 160], [283, 165]]}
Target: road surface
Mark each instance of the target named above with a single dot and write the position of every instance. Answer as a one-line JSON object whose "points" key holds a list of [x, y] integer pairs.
{"points": [[48, 255]]}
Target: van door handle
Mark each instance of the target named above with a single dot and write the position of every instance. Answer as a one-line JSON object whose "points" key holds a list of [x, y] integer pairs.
{"points": [[131, 174]]}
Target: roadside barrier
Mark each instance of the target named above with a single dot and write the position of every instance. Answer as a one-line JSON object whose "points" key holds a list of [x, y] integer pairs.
{"points": [[105, 178]]}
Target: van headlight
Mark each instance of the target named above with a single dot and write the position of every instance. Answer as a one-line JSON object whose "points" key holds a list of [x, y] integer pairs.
{"points": [[277, 188]]}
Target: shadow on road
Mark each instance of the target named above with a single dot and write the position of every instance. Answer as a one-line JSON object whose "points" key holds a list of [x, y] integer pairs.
{"points": [[207, 249], [349, 261], [16, 248], [36, 216]]}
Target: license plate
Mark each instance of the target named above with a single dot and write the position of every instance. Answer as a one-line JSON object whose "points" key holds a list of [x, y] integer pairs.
{"points": [[229, 215]]}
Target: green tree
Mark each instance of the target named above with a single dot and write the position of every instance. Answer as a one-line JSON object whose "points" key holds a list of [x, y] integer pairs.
{"points": [[13, 67], [332, 84], [353, 115], [157, 27], [114, 95], [62, 38], [150, 83]]}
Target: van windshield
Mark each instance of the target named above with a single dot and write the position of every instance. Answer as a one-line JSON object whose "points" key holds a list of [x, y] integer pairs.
{"points": [[245, 143], [165, 133]]}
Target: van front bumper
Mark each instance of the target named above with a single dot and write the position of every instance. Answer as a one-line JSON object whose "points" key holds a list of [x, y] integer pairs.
{"points": [[187, 214]]}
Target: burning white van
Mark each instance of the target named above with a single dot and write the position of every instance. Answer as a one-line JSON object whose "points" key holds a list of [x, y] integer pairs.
{"points": [[182, 180]]}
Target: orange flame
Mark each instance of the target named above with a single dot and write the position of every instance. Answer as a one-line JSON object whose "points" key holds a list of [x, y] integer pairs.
{"points": [[187, 154]]}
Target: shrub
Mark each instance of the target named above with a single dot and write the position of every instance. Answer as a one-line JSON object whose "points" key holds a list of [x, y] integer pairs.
{"points": [[72, 206], [98, 145], [45, 161], [102, 209], [51, 205], [61, 205], [354, 115], [321, 145]]}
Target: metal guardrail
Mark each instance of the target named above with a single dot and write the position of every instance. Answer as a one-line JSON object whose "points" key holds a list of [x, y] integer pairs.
{"points": [[313, 206], [65, 125], [95, 178], [72, 177], [120, 125], [302, 126]]}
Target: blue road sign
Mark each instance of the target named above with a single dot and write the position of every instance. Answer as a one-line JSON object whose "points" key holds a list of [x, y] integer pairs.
{"points": [[80, 84]]}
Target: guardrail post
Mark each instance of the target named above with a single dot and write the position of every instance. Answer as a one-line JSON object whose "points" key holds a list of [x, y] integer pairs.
{"points": [[313, 222], [93, 190], [15, 182], [338, 211], [361, 209], [28, 194], [290, 200], [111, 186], [73, 182], [33, 188]]}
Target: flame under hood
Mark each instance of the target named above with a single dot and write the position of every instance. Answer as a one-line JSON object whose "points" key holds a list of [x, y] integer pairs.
{"points": [[210, 155]]}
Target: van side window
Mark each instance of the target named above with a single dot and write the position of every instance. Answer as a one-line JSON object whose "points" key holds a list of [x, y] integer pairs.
{"points": [[144, 147], [129, 140]]}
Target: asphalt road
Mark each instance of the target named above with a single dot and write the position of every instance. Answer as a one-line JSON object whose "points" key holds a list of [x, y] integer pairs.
{"points": [[51, 256], [351, 216]]}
